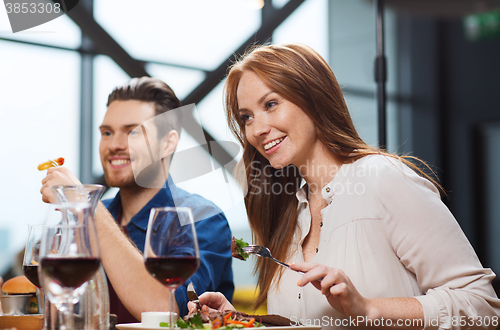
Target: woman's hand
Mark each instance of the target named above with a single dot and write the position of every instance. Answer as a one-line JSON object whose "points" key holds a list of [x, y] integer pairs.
{"points": [[56, 176], [337, 288], [211, 302]]}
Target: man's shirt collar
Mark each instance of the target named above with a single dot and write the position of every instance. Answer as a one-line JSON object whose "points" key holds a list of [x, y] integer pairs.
{"points": [[163, 198]]}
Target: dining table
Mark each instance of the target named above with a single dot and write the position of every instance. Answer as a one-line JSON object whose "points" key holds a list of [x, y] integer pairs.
{"points": [[35, 322]]}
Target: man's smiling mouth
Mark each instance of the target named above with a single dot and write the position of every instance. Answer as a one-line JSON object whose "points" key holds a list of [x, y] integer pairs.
{"points": [[118, 162]]}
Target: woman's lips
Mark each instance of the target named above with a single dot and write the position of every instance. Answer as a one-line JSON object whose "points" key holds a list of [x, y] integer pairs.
{"points": [[276, 147]]}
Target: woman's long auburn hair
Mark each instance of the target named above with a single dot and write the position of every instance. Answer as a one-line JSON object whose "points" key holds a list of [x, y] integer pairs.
{"points": [[300, 75]]}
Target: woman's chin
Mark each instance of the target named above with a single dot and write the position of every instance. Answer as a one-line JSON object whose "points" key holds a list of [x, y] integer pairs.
{"points": [[278, 165]]}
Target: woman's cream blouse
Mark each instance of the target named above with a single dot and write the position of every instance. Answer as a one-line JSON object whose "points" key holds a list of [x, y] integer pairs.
{"points": [[387, 229]]}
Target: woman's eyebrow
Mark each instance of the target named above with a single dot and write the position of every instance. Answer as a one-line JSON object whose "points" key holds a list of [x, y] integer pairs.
{"points": [[264, 96], [260, 100]]}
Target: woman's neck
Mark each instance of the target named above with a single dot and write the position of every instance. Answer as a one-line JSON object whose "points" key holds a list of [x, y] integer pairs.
{"points": [[319, 169]]}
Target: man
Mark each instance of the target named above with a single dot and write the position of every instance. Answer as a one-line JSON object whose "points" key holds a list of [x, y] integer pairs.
{"points": [[139, 135]]}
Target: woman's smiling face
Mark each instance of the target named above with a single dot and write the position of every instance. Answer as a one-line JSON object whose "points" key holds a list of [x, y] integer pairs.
{"points": [[280, 130]]}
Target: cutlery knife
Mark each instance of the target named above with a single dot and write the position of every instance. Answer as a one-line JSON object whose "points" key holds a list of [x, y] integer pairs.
{"points": [[192, 296]]}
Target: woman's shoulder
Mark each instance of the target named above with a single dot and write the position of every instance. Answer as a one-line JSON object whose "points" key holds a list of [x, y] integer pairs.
{"points": [[387, 172], [378, 160], [373, 166]]}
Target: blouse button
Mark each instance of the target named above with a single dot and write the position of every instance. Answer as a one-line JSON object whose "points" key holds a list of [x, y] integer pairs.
{"points": [[299, 295], [327, 189]]}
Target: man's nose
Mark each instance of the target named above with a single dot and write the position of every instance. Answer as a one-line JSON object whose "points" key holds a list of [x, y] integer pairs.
{"points": [[119, 142]]}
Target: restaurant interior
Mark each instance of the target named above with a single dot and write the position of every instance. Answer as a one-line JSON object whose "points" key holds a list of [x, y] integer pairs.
{"points": [[441, 104]]}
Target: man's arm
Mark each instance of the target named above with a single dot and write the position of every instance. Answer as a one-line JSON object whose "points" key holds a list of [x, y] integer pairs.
{"points": [[124, 266], [123, 263], [215, 272]]}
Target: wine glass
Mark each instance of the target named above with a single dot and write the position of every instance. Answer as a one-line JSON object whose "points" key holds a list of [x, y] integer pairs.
{"points": [[31, 262], [69, 257], [171, 251], [31, 259]]}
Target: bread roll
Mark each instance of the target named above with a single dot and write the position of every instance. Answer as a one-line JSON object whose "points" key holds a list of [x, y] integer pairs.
{"points": [[18, 285]]}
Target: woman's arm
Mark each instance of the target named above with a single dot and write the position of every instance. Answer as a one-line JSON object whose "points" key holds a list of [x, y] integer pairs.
{"points": [[211, 302], [343, 296], [429, 242]]}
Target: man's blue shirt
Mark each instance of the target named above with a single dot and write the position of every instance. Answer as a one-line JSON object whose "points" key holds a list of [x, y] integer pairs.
{"points": [[214, 239]]}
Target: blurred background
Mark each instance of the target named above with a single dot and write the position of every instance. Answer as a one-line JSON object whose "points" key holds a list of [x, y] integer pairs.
{"points": [[443, 92]]}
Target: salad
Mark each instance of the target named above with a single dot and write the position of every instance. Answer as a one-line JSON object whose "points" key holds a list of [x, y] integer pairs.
{"points": [[216, 320], [237, 246]]}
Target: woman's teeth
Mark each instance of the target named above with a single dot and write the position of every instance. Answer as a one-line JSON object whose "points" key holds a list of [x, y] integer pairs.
{"points": [[273, 143], [118, 162]]}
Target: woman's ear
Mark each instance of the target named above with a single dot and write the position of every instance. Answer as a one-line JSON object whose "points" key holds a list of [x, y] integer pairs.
{"points": [[169, 143]]}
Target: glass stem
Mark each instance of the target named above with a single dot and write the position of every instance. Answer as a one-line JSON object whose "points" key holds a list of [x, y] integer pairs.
{"points": [[40, 300], [47, 313], [67, 316], [172, 302]]}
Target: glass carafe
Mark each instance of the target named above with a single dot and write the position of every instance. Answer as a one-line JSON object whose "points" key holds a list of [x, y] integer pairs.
{"points": [[94, 305]]}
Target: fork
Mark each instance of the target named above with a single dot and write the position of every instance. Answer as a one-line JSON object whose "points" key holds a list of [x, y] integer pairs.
{"points": [[264, 252]]}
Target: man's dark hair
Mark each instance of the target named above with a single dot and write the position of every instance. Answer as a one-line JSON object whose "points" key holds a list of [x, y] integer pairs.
{"points": [[153, 90]]}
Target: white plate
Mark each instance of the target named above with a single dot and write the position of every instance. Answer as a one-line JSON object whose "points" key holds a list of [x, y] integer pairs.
{"points": [[135, 326]]}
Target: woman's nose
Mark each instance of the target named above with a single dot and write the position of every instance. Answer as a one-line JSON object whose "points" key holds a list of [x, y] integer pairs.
{"points": [[261, 126]]}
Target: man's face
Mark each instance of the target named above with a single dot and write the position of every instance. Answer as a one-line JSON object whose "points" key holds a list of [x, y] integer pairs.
{"points": [[123, 147]]}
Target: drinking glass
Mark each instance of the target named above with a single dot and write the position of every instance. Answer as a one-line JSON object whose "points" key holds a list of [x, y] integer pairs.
{"points": [[31, 259], [31, 262], [171, 251], [69, 257]]}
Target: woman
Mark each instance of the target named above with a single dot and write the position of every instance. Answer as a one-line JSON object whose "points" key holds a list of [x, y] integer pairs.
{"points": [[372, 236]]}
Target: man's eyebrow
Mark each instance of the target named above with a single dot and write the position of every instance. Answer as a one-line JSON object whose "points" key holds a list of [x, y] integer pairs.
{"points": [[260, 100], [131, 125], [124, 126]]}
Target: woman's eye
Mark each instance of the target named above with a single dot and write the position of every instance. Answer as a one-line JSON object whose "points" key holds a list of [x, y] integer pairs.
{"points": [[245, 118], [270, 104]]}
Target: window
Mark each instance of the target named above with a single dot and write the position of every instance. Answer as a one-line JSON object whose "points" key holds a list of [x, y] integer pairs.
{"points": [[40, 114]]}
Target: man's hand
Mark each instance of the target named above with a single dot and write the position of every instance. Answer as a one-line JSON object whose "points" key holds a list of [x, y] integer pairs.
{"points": [[56, 176]]}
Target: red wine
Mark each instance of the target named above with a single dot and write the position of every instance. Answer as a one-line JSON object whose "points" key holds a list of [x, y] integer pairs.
{"points": [[31, 272], [70, 272], [172, 271]]}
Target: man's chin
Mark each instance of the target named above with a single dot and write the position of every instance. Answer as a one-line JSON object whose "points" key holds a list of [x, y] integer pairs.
{"points": [[121, 183], [150, 176], [143, 180]]}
